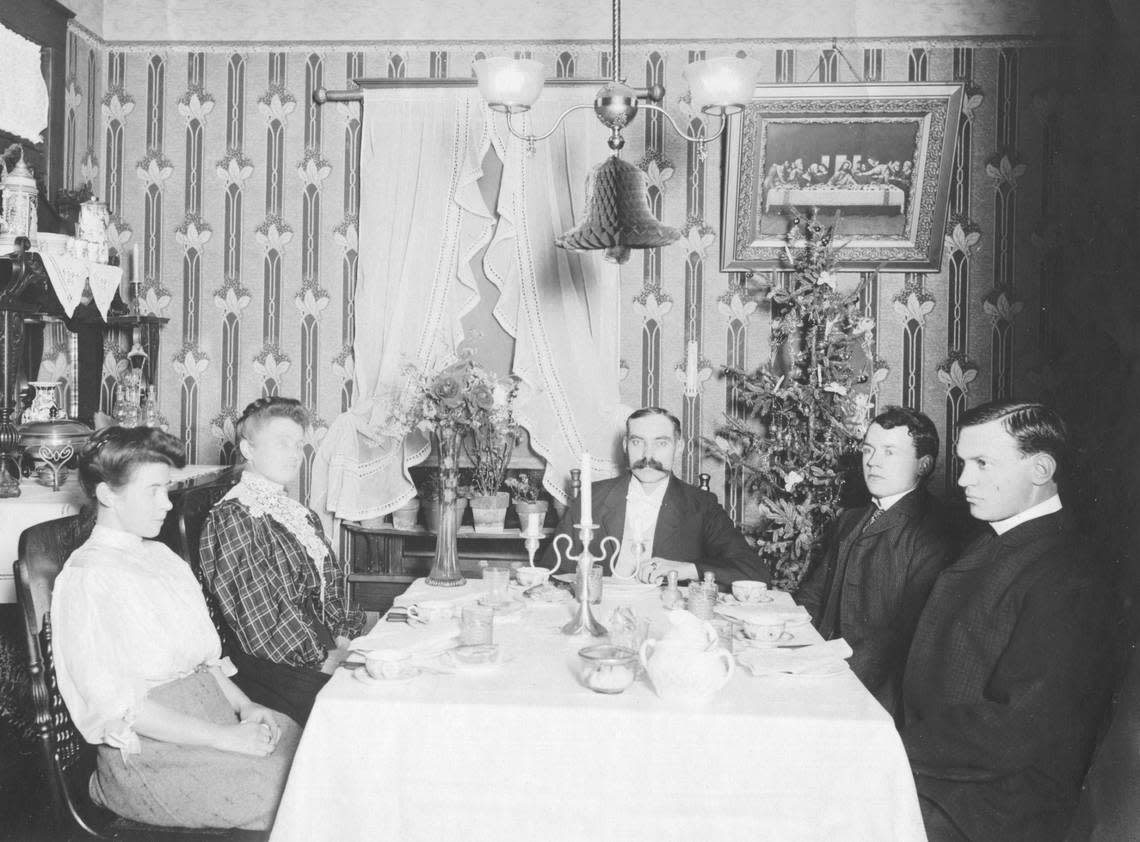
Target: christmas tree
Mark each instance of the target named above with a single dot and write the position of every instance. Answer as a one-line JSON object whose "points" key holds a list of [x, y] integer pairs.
{"points": [[803, 415]]}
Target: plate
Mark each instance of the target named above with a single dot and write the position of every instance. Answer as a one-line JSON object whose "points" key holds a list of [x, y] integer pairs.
{"points": [[548, 595], [451, 660], [503, 609], [361, 675], [610, 583]]}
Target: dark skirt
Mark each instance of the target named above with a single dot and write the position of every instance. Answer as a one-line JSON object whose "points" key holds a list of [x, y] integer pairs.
{"points": [[195, 786]]}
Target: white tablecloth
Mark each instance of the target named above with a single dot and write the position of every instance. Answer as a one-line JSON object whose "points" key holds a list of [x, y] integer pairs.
{"points": [[522, 751], [38, 503]]}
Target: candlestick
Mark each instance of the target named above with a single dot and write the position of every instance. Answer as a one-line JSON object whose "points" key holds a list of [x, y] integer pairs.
{"points": [[587, 497], [584, 620], [691, 365]]}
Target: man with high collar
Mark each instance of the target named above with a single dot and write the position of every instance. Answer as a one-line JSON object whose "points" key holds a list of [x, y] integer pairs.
{"points": [[1011, 663], [662, 522], [879, 561]]}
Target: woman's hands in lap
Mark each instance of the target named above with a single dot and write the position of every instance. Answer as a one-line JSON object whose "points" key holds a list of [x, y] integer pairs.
{"points": [[257, 733], [253, 738]]}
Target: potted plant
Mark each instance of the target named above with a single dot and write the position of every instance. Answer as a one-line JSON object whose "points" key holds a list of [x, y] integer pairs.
{"points": [[526, 491], [407, 515], [490, 444]]}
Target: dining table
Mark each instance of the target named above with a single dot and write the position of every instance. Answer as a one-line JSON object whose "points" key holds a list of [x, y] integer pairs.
{"points": [[520, 749]]}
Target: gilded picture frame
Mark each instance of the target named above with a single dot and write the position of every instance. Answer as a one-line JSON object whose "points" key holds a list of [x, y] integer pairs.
{"points": [[880, 154]]}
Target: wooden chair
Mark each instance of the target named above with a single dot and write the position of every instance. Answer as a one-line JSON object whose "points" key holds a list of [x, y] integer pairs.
{"points": [[67, 758], [193, 506]]}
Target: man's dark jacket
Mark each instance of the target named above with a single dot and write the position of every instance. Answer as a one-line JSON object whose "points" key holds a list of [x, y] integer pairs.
{"points": [[871, 583], [1006, 682], [691, 526]]}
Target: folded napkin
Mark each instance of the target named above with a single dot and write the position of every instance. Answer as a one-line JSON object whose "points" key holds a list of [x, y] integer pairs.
{"points": [[760, 612], [428, 639], [419, 591], [818, 659]]}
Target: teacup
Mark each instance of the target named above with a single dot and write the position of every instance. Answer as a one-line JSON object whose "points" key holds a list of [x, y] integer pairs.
{"points": [[387, 663], [765, 631], [749, 590], [431, 610], [528, 577]]}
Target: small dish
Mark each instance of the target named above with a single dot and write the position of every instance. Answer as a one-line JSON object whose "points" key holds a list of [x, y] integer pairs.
{"points": [[756, 600], [361, 675]]}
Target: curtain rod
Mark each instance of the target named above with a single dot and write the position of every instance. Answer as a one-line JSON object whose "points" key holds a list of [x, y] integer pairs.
{"points": [[323, 95]]}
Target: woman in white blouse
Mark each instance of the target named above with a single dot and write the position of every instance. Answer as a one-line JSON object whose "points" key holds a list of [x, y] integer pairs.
{"points": [[139, 662]]}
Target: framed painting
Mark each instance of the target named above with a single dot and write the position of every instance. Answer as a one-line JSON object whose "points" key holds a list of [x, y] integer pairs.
{"points": [[878, 154]]}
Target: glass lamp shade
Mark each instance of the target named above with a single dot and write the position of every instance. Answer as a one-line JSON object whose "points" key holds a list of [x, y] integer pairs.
{"points": [[510, 85], [721, 85]]}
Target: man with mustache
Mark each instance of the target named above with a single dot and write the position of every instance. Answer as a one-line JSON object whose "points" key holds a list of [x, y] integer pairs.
{"points": [[662, 522], [879, 561], [1012, 661]]}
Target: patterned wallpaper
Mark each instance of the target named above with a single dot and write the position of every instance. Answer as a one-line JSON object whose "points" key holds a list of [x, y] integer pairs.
{"points": [[243, 196]]}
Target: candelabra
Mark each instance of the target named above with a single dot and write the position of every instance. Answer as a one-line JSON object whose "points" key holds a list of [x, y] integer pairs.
{"points": [[584, 620], [532, 535]]}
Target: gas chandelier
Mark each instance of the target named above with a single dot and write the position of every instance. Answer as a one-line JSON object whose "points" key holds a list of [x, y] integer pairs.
{"points": [[618, 217]]}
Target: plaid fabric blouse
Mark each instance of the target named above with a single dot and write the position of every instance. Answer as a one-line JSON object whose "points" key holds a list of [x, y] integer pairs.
{"points": [[268, 588]]}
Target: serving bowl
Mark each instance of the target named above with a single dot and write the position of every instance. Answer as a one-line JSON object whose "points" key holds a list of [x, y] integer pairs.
{"points": [[606, 668]]}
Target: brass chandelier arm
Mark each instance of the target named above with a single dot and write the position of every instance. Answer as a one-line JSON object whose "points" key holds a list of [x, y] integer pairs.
{"points": [[533, 138], [689, 137]]}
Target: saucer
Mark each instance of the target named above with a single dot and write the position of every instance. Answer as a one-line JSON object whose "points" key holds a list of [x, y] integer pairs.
{"points": [[784, 637], [502, 609], [361, 675], [767, 597]]}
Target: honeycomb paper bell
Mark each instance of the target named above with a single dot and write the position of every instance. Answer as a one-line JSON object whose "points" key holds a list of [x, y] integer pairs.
{"points": [[617, 214]]}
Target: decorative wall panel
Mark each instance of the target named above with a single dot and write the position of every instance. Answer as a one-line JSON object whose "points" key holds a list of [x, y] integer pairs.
{"points": [[246, 197]]}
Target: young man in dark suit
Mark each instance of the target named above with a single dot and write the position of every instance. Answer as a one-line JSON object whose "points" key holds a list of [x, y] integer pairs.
{"points": [[1011, 663], [662, 522], [879, 561]]}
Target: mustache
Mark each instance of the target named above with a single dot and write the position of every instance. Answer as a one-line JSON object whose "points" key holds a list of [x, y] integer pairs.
{"points": [[647, 462]]}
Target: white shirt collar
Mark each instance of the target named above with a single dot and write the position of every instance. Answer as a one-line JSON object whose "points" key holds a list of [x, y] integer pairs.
{"points": [[637, 491], [885, 503], [116, 537], [1045, 507]]}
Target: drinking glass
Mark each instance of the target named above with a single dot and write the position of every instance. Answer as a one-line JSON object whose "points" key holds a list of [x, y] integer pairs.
{"points": [[476, 625], [596, 584], [497, 581]]}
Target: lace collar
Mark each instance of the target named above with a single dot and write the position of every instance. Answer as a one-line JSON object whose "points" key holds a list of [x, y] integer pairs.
{"points": [[264, 498]]}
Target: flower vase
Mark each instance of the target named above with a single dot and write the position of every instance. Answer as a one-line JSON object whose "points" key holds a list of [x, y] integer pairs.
{"points": [[445, 568]]}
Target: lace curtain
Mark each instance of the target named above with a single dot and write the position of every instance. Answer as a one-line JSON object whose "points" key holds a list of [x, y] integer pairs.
{"points": [[422, 221]]}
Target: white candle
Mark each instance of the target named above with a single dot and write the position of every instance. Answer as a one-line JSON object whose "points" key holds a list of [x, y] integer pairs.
{"points": [[136, 264], [691, 369], [586, 496]]}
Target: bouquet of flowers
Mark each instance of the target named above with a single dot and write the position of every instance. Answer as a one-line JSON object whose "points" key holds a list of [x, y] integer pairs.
{"points": [[468, 403]]}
